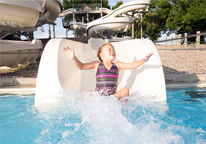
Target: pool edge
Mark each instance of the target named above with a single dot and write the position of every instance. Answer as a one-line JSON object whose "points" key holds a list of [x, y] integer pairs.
{"points": [[31, 89]]}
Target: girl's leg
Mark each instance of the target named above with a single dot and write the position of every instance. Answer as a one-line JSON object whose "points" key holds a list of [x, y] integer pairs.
{"points": [[122, 93]]}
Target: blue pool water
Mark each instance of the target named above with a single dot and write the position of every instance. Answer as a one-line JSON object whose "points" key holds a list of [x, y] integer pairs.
{"points": [[105, 120]]}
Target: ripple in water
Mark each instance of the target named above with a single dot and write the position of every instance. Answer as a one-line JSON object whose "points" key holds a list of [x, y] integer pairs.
{"points": [[95, 119]]}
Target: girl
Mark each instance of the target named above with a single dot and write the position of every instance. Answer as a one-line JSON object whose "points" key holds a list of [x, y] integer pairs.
{"points": [[106, 71]]}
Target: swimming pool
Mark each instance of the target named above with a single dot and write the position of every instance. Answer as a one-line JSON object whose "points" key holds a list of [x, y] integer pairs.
{"points": [[105, 120]]}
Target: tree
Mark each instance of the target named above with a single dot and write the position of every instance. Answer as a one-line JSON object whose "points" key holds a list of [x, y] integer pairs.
{"points": [[154, 22], [187, 16], [167, 16], [117, 5]]}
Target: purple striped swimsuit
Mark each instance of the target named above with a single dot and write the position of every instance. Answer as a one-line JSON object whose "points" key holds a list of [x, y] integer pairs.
{"points": [[106, 80]]}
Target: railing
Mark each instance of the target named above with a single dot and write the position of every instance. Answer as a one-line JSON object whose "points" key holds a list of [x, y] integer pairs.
{"points": [[87, 8], [179, 38], [183, 62]]}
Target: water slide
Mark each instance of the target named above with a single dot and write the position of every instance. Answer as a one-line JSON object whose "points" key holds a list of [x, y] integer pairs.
{"points": [[73, 25], [111, 22], [23, 16], [67, 12], [52, 10], [19, 14], [13, 53], [78, 26], [105, 10], [29, 13], [57, 73]]}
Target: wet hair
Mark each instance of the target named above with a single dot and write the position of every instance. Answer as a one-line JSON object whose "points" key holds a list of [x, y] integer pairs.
{"points": [[100, 50]]}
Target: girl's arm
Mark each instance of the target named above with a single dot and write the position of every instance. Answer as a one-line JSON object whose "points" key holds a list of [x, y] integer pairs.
{"points": [[134, 65], [82, 66]]}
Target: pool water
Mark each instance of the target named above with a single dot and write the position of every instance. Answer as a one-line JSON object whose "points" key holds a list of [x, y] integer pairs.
{"points": [[105, 120]]}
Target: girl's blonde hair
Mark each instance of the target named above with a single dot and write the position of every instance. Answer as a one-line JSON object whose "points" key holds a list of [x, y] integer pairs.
{"points": [[100, 50]]}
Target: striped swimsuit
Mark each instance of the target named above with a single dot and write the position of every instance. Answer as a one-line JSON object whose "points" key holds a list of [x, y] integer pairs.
{"points": [[106, 80]]}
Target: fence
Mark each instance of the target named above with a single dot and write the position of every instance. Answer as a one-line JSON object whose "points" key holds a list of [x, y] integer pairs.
{"points": [[179, 38], [183, 62], [86, 8]]}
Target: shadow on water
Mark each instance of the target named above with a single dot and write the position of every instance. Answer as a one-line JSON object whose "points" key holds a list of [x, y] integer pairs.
{"points": [[191, 100], [196, 94]]}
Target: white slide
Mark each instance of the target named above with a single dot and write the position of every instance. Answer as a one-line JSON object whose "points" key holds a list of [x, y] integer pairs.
{"points": [[18, 15], [78, 26], [53, 9], [28, 13], [105, 10], [114, 23], [67, 12], [13, 52], [57, 72], [110, 22]]}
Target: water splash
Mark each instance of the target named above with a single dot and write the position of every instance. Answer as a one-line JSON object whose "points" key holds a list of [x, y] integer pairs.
{"points": [[91, 118]]}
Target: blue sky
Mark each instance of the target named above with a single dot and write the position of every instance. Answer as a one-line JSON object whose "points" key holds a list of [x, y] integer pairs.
{"points": [[60, 32]]}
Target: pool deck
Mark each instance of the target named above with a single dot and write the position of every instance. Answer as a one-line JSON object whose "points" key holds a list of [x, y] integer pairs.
{"points": [[31, 88], [18, 90], [186, 85]]}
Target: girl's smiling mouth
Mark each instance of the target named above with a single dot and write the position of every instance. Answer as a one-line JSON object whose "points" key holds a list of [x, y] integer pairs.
{"points": [[113, 54]]}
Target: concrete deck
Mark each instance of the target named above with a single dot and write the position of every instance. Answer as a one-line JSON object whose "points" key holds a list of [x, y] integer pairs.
{"points": [[18, 90], [31, 89]]}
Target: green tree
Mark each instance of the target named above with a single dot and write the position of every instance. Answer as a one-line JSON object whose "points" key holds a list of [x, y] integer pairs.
{"points": [[154, 22], [165, 17], [173, 16], [187, 16], [117, 4]]}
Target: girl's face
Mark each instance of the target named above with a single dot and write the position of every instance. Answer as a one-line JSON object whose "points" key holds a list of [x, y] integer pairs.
{"points": [[108, 53]]}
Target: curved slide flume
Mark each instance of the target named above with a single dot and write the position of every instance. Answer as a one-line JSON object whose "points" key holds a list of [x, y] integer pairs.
{"points": [[112, 22], [96, 28], [128, 7], [13, 52], [53, 9], [29, 13], [67, 12], [78, 26], [57, 73], [73, 25], [105, 10], [20, 16]]}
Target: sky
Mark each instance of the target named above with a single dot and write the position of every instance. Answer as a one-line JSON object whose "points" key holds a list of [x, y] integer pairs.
{"points": [[60, 32]]}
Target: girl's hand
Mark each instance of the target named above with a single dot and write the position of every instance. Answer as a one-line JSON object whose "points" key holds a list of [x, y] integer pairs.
{"points": [[69, 52], [146, 58]]}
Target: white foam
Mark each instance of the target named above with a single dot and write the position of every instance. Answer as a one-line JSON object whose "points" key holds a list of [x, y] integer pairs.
{"points": [[91, 118]]}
